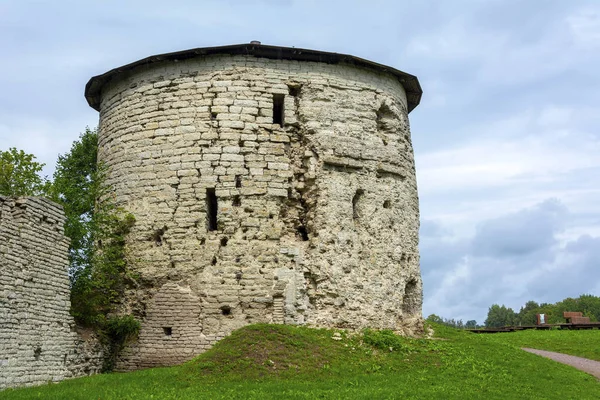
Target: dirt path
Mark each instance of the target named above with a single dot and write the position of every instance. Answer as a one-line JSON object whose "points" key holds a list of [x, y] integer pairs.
{"points": [[590, 366]]}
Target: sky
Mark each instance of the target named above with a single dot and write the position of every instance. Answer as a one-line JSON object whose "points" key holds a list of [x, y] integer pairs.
{"points": [[506, 138]]}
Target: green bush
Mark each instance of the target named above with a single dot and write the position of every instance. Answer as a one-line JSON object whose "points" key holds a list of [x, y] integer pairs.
{"points": [[384, 340], [100, 285], [116, 333], [122, 327]]}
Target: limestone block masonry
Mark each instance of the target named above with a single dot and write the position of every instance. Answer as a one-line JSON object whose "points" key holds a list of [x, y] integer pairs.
{"points": [[269, 184], [38, 343]]}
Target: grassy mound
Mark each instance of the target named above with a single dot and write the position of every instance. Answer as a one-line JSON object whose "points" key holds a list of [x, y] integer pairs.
{"points": [[262, 350]]}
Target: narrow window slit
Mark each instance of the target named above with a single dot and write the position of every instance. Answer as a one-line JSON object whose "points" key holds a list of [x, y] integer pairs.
{"points": [[236, 201], [168, 331], [278, 109], [410, 300], [211, 209], [238, 181], [357, 196]]}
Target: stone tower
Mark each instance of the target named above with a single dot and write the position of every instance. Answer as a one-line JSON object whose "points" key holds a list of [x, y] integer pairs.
{"points": [[269, 184]]}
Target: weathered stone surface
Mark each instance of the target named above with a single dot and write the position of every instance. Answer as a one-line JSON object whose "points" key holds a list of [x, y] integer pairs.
{"points": [[38, 342], [317, 216]]}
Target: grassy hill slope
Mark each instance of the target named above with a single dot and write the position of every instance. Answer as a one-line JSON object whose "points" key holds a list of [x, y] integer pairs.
{"points": [[585, 343]]}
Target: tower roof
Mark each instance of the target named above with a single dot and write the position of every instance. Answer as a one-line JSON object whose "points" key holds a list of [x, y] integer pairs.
{"points": [[410, 82]]}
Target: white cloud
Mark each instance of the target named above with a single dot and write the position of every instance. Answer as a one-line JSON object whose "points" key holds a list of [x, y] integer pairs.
{"points": [[501, 55], [495, 163], [513, 163], [553, 116], [585, 27], [455, 40]]}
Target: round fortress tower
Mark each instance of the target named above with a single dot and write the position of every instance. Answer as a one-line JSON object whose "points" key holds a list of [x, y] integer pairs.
{"points": [[269, 184]]}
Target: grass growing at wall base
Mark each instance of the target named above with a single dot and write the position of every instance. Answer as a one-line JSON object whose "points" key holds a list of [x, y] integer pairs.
{"points": [[285, 362]]}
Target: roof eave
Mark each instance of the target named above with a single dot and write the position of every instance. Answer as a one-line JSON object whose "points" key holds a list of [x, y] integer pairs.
{"points": [[410, 82]]}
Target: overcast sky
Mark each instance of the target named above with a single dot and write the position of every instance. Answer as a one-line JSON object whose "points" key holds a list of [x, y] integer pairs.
{"points": [[506, 138]]}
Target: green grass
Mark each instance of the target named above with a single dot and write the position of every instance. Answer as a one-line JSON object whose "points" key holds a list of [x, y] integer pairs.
{"points": [[585, 343], [284, 362]]}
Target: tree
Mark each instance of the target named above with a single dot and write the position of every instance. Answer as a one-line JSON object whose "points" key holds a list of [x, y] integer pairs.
{"points": [[528, 314], [458, 324], [435, 318], [471, 324], [499, 316], [97, 229], [587, 304], [76, 187], [19, 174], [590, 306]]}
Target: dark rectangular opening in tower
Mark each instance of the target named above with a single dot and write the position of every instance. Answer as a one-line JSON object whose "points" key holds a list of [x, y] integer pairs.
{"points": [[278, 110], [211, 209]]}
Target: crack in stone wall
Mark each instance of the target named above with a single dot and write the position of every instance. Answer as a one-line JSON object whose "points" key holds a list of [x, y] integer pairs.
{"points": [[289, 246]]}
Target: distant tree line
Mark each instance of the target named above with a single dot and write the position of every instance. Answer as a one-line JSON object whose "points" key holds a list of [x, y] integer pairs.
{"points": [[499, 316], [454, 323]]}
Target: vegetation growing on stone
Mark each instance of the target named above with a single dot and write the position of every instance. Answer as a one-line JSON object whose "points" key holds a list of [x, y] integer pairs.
{"points": [[117, 331]]}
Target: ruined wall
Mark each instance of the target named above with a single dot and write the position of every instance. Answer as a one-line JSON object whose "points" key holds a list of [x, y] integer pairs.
{"points": [[264, 191], [37, 339]]}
